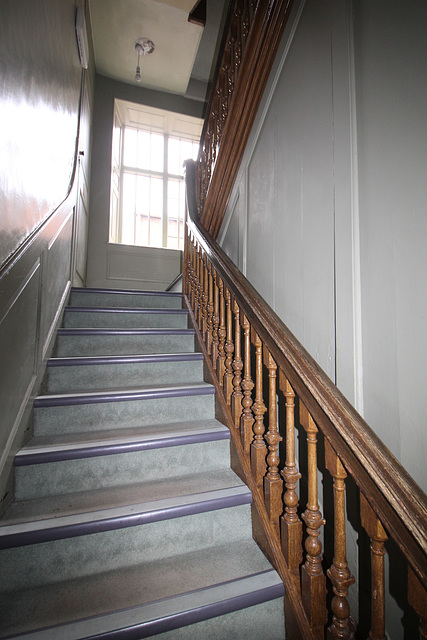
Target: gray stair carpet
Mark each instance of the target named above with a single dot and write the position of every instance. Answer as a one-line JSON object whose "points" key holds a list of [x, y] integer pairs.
{"points": [[127, 520]]}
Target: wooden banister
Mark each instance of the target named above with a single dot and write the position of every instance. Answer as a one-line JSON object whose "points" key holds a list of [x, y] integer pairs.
{"points": [[392, 495], [275, 397], [251, 38]]}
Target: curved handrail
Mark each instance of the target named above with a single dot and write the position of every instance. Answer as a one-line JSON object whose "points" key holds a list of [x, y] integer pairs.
{"points": [[398, 501]]}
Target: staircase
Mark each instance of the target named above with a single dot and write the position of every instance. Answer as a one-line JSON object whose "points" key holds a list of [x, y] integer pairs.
{"points": [[127, 521]]}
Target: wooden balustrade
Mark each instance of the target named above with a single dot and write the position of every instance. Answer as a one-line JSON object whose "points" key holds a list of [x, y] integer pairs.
{"points": [[269, 388], [251, 37]]}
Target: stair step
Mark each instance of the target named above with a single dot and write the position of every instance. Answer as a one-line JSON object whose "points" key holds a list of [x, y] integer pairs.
{"points": [[68, 526], [123, 317], [69, 603], [104, 342], [53, 449], [103, 410], [21, 511], [107, 372], [90, 551], [122, 298], [61, 465]]}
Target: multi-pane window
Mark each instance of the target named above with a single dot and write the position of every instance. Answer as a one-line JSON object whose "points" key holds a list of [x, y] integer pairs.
{"points": [[151, 198]]}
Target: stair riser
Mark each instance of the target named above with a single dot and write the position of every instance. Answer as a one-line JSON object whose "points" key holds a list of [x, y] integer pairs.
{"points": [[98, 320], [117, 415], [101, 472], [120, 376], [99, 299], [105, 345], [73, 558]]}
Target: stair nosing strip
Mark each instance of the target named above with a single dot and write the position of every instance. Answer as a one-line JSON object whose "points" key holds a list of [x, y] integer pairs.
{"points": [[57, 453], [87, 331], [91, 522], [130, 310], [170, 613], [100, 397], [131, 292], [125, 359]]}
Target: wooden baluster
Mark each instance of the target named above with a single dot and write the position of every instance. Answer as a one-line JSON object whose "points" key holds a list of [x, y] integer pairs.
{"points": [[247, 417], [273, 483], [378, 536], [229, 350], [291, 525], [258, 446], [313, 580], [200, 279], [238, 47], [236, 399], [417, 598], [220, 363], [191, 271], [210, 308], [196, 283], [215, 322], [339, 574], [205, 294]]}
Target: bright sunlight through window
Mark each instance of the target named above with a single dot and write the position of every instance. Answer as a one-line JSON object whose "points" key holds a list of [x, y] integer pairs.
{"points": [[147, 187]]}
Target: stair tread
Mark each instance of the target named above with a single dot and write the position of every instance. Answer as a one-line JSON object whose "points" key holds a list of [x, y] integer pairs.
{"points": [[115, 497], [134, 434], [130, 310], [124, 394], [129, 292], [59, 526], [142, 586], [70, 361]]}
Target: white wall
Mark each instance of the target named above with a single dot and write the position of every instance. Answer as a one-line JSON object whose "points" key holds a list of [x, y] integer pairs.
{"points": [[328, 215]]}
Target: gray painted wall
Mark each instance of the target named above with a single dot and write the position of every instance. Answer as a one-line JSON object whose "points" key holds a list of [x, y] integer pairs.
{"points": [[39, 106], [114, 265], [328, 215]]}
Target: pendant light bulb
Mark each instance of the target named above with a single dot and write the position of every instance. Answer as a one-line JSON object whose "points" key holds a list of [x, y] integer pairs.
{"points": [[143, 47]]}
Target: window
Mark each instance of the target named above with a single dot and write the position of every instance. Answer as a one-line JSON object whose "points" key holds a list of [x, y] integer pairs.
{"points": [[147, 187]]}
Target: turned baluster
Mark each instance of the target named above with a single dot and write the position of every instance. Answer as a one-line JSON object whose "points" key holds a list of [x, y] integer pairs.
{"points": [[273, 483], [245, 26], [191, 272], [215, 322], [238, 47], [417, 598], [313, 580], [199, 288], [210, 308], [220, 363], [258, 446], [339, 574], [236, 399], [196, 282], [229, 350], [247, 417], [187, 264], [205, 294], [291, 525], [378, 536]]}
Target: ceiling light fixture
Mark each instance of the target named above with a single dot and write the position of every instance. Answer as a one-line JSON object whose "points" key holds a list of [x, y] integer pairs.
{"points": [[143, 46]]}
